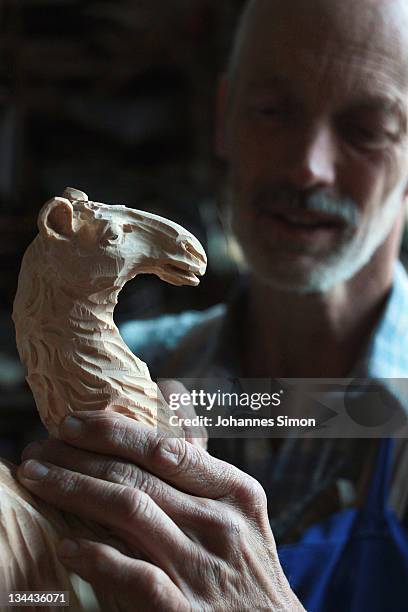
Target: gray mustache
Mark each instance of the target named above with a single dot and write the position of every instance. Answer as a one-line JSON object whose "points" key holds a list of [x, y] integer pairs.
{"points": [[344, 209]]}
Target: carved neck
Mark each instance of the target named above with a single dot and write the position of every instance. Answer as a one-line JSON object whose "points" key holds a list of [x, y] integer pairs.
{"points": [[89, 304], [90, 309]]}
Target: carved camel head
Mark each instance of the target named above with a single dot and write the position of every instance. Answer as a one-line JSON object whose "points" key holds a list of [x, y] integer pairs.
{"points": [[95, 242]]}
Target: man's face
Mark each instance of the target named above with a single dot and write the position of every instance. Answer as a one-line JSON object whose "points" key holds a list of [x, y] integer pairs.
{"points": [[316, 142]]}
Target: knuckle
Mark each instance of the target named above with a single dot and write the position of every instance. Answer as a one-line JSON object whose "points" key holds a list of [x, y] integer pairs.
{"points": [[121, 473], [176, 455], [134, 504], [215, 519], [155, 447], [249, 492], [67, 481], [223, 521], [128, 475], [148, 485], [182, 456], [120, 432]]}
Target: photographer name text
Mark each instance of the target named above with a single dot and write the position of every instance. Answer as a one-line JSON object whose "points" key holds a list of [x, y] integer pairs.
{"points": [[232, 421]]}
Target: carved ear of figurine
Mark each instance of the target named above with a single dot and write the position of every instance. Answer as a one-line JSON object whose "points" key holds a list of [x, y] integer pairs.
{"points": [[68, 286], [117, 242]]}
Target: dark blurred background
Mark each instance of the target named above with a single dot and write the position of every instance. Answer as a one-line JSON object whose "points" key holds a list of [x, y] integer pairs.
{"points": [[116, 98]]}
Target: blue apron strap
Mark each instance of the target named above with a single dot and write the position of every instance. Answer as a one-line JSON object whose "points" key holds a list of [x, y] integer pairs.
{"points": [[377, 497]]}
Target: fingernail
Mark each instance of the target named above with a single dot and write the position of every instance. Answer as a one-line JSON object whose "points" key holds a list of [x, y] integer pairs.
{"points": [[34, 470], [68, 548], [32, 451], [71, 427]]}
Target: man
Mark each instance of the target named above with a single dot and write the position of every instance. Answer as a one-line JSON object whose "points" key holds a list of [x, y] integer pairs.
{"points": [[313, 127]]}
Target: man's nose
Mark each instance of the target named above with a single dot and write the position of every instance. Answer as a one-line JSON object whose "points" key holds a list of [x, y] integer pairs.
{"points": [[314, 159]]}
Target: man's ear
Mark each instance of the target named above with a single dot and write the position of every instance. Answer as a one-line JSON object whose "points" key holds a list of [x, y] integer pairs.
{"points": [[221, 115], [56, 219]]}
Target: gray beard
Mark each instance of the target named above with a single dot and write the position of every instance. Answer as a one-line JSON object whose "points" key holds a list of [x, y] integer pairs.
{"points": [[354, 253]]}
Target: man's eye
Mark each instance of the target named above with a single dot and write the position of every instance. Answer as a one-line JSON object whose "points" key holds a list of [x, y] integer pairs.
{"points": [[364, 136]]}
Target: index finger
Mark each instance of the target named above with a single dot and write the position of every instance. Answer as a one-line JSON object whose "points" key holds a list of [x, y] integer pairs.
{"points": [[189, 468]]}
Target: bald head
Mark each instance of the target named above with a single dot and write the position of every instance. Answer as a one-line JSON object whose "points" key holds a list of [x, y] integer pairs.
{"points": [[383, 22]]}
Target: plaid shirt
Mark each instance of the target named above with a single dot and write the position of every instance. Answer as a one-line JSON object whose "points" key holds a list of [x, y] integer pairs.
{"points": [[306, 479]]}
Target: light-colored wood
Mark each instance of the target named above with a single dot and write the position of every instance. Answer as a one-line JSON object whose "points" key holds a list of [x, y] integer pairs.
{"points": [[70, 278]]}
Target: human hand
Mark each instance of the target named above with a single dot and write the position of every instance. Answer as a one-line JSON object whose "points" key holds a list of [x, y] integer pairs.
{"points": [[201, 524], [196, 435]]}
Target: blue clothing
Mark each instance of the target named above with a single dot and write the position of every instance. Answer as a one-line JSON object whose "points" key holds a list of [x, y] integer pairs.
{"points": [[357, 560], [340, 543]]}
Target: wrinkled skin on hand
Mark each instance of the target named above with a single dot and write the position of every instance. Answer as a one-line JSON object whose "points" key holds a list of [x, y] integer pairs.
{"points": [[195, 529]]}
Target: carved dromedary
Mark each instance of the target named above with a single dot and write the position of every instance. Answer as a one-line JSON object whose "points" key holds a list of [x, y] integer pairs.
{"points": [[69, 282]]}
